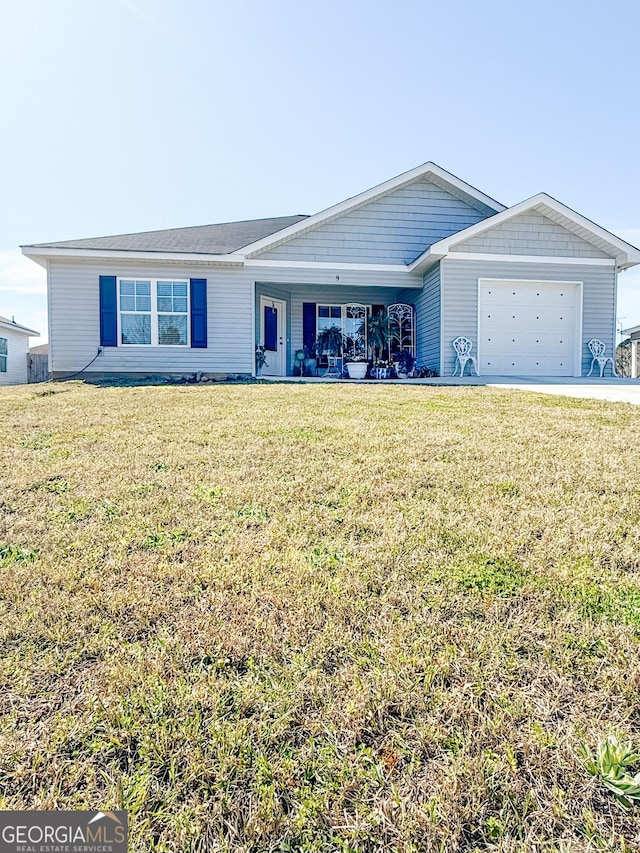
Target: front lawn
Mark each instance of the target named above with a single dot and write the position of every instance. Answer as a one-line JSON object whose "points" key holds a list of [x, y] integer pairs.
{"points": [[320, 617]]}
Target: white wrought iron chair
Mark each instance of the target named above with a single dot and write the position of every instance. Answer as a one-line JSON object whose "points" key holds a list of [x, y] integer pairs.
{"points": [[597, 349], [463, 347], [334, 367]]}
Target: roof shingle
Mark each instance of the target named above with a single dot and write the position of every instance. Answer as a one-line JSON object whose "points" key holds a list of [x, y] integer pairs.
{"points": [[202, 239]]}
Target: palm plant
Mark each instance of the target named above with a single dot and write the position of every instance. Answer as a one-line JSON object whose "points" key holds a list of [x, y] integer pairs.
{"points": [[380, 332]]}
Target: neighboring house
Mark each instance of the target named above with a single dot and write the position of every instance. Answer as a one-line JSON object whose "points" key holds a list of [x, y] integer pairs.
{"points": [[634, 335], [529, 285], [14, 346]]}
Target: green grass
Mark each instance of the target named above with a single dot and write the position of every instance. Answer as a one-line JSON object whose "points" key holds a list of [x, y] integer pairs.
{"points": [[320, 618]]}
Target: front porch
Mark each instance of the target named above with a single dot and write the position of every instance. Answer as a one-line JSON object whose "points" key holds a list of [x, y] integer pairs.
{"points": [[289, 319]]}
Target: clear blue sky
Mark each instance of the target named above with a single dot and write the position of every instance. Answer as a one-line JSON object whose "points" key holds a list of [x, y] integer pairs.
{"points": [[132, 115]]}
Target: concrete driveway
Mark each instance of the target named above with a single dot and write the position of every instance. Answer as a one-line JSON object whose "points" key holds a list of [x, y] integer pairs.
{"points": [[614, 390]]}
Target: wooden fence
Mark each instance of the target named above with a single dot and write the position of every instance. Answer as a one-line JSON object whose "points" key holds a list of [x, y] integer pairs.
{"points": [[38, 367]]}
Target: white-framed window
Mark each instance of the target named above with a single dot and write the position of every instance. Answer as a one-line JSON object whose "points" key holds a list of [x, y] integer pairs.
{"points": [[327, 316], [4, 352], [153, 312]]}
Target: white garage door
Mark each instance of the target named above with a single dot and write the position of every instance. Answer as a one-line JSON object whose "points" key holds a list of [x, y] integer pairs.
{"points": [[529, 328]]}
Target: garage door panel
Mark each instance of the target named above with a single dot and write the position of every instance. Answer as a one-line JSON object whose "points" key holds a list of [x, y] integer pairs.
{"points": [[527, 328], [525, 366]]}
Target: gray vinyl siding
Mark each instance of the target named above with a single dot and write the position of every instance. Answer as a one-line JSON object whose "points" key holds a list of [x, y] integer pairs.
{"points": [[531, 234], [233, 322], [75, 321], [394, 229], [17, 349], [460, 299], [427, 304]]}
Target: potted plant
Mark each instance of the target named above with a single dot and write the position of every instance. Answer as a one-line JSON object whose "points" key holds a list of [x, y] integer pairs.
{"points": [[310, 362], [403, 363], [329, 341], [381, 369], [261, 360], [379, 333], [357, 367]]}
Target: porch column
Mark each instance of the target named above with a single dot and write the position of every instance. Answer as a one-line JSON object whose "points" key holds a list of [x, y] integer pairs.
{"points": [[634, 359]]}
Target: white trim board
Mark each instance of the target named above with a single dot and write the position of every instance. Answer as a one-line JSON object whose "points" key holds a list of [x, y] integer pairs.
{"points": [[531, 259], [325, 265], [40, 256]]}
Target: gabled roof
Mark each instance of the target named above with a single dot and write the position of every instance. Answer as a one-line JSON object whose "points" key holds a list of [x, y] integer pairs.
{"points": [[429, 171], [231, 242], [5, 323], [220, 239], [632, 331], [624, 253]]}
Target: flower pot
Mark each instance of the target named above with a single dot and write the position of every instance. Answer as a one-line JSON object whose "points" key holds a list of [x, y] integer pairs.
{"points": [[357, 369], [310, 366]]}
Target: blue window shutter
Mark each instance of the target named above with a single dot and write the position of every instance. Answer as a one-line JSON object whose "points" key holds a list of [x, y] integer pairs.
{"points": [[309, 325], [108, 311], [198, 312]]}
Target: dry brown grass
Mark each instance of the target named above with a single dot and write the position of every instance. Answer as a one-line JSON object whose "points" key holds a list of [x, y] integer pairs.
{"points": [[319, 618]]}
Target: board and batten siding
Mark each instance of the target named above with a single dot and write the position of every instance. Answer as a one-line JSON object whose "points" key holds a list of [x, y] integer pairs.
{"points": [[75, 320], [394, 229], [17, 349], [459, 281], [530, 234]]}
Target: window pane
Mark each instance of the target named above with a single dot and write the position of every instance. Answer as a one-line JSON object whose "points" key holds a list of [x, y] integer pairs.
{"points": [[323, 310], [127, 288], [179, 305], [165, 304], [135, 328], [143, 288], [326, 323], [127, 303], [143, 303], [180, 288], [3, 364], [336, 311], [164, 288], [172, 329], [3, 346]]}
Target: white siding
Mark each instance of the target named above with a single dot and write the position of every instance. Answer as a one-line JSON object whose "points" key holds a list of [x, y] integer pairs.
{"points": [[392, 230], [18, 347], [531, 234], [460, 298]]}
